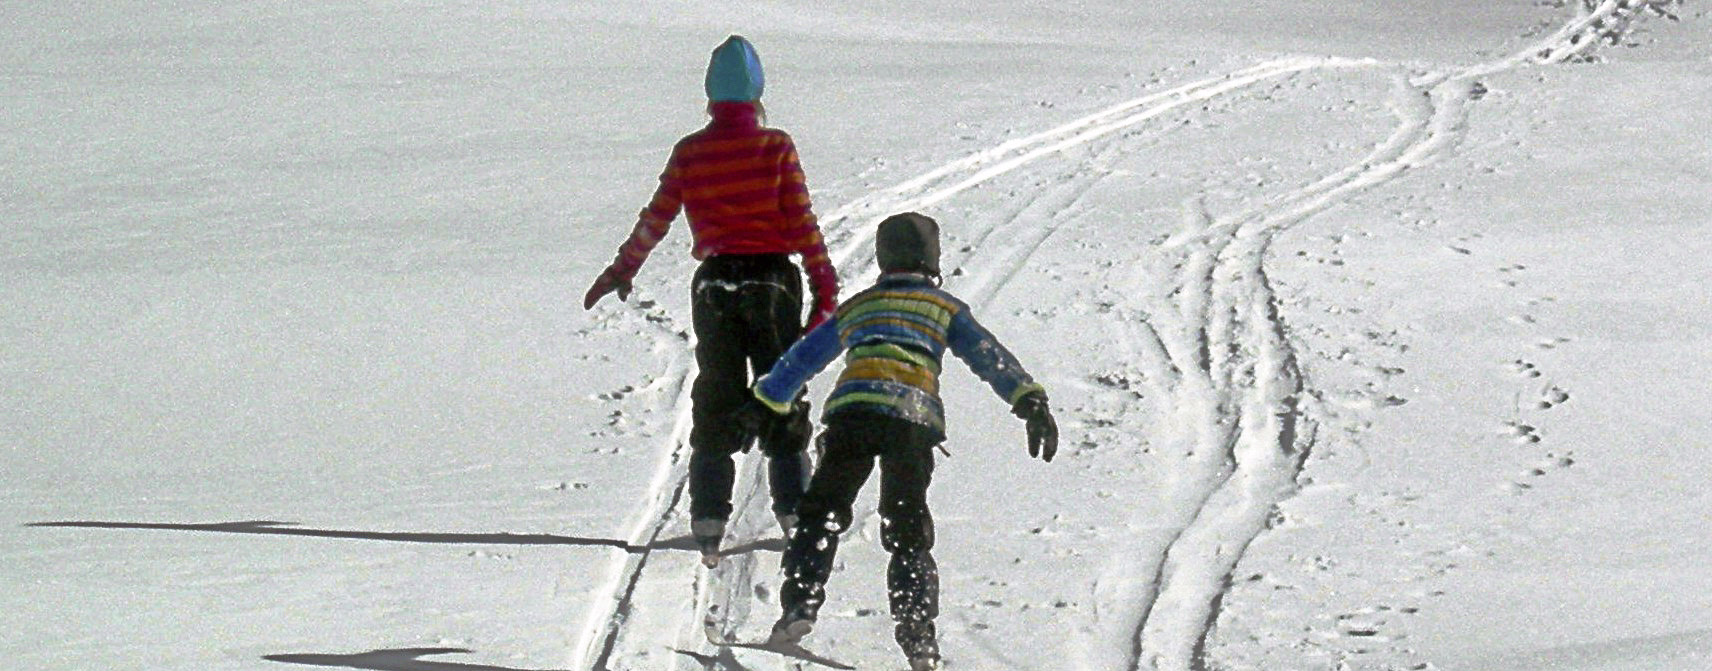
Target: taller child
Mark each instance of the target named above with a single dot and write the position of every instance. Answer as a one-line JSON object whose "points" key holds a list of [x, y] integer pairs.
{"points": [[742, 190]]}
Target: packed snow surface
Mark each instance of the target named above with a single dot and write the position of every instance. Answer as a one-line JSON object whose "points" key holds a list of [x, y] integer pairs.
{"points": [[1377, 332]]}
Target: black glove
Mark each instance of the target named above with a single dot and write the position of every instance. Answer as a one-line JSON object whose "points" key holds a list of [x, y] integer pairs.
{"points": [[754, 417], [1042, 429], [610, 280], [750, 417], [790, 432]]}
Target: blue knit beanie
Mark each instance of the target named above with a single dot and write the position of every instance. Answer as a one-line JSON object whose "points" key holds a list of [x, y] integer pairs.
{"points": [[734, 72]]}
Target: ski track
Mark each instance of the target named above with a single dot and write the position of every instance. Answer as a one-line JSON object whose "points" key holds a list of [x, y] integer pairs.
{"points": [[1200, 319], [1231, 377], [600, 633]]}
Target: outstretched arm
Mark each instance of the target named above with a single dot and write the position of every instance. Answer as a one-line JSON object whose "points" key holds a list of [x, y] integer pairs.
{"points": [[805, 359], [652, 224], [992, 362], [776, 392], [989, 360], [804, 232]]}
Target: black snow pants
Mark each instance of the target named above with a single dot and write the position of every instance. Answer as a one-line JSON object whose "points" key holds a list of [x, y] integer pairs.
{"points": [[747, 311], [854, 440]]}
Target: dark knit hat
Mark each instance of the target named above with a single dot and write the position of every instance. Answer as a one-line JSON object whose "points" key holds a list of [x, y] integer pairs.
{"points": [[908, 242]]}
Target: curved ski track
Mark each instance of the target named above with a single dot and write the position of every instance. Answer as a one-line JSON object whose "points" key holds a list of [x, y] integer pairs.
{"points": [[1200, 316], [1221, 358]]}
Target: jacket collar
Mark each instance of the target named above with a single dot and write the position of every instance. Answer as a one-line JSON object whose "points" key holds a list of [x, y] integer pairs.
{"points": [[905, 278], [734, 115]]}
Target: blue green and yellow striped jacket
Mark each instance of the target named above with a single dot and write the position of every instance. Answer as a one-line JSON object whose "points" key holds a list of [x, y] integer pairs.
{"points": [[895, 334]]}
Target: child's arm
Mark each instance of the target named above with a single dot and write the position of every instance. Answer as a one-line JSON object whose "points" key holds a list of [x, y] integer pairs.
{"points": [[989, 360], [804, 231], [806, 358], [992, 362], [652, 224]]}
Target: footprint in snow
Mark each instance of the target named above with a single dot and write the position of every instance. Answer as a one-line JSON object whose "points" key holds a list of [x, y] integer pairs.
{"points": [[1521, 434], [1368, 624], [1524, 368], [1551, 463], [1364, 401], [1551, 397], [617, 394], [1554, 462]]}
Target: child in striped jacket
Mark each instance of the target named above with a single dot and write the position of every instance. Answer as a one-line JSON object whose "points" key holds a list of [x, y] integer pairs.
{"points": [[742, 190], [886, 405]]}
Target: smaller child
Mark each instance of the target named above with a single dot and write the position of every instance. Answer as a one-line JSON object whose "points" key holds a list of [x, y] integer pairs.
{"points": [[886, 405]]}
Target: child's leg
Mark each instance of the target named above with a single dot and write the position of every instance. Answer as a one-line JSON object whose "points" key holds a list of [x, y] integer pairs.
{"points": [[721, 384], [772, 305], [787, 479], [824, 513], [912, 578]]}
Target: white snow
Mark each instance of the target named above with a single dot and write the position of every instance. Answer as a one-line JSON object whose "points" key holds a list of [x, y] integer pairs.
{"points": [[1377, 332]]}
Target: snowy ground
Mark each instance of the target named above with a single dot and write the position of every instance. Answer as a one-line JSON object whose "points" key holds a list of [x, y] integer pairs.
{"points": [[1372, 331]]}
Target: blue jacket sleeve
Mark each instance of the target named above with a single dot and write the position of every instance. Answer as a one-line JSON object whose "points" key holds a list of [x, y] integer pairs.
{"points": [[988, 359], [806, 358]]}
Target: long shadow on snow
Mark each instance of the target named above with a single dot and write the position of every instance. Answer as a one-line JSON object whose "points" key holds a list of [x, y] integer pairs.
{"points": [[723, 660], [404, 659], [273, 528]]}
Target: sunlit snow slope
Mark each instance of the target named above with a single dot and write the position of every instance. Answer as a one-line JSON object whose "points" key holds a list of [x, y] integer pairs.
{"points": [[1375, 333]]}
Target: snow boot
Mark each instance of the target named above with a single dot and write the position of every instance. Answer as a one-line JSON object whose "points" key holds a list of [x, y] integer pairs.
{"points": [[919, 644], [708, 533], [792, 626], [924, 664]]}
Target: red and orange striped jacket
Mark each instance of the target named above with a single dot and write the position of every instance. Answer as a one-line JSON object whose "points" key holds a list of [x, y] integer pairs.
{"points": [[743, 192]]}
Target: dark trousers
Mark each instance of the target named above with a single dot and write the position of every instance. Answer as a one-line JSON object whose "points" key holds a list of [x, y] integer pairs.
{"points": [[854, 441], [747, 311]]}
